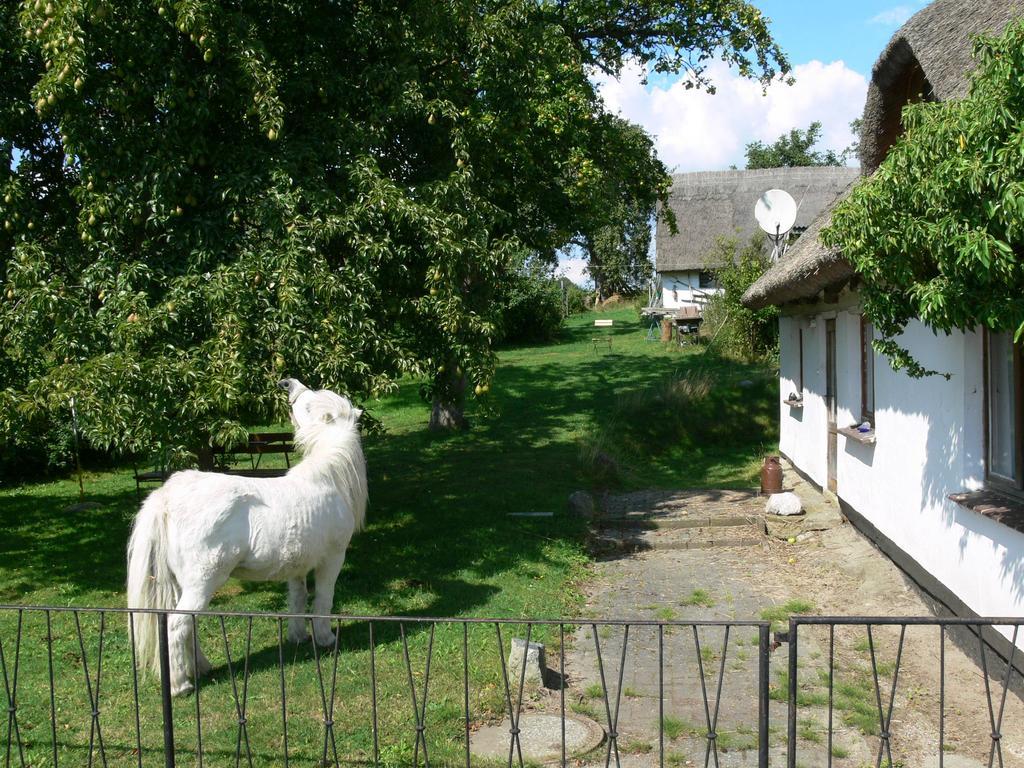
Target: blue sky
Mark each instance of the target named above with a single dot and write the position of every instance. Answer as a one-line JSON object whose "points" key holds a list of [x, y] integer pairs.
{"points": [[832, 47], [853, 32]]}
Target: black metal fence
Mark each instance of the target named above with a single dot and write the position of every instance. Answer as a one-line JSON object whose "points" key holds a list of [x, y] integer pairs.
{"points": [[410, 691], [846, 672], [390, 691]]}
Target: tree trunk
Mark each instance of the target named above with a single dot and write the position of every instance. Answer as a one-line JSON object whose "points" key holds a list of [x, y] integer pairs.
{"points": [[205, 456], [446, 414], [447, 417]]}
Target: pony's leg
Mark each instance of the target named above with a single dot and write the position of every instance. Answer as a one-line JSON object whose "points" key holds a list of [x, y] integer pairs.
{"points": [[297, 597], [179, 630], [326, 574]]}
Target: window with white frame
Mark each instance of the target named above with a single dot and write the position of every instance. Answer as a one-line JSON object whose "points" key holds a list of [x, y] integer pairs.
{"points": [[867, 371], [1004, 417]]}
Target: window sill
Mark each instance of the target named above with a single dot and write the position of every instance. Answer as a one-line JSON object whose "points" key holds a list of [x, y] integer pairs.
{"points": [[994, 505], [852, 433], [793, 403]]}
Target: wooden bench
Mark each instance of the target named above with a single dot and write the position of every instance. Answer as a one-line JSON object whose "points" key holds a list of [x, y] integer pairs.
{"points": [[258, 445], [605, 339], [156, 475]]}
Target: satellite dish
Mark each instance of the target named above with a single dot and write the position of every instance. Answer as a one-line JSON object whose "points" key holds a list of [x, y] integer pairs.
{"points": [[775, 212]]}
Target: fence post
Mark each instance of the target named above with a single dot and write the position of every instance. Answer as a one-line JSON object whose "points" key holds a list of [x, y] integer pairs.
{"points": [[762, 694], [791, 724], [165, 690]]}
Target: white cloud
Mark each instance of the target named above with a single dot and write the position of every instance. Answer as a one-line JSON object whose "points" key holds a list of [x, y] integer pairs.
{"points": [[893, 17], [574, 268], [695, 131]]}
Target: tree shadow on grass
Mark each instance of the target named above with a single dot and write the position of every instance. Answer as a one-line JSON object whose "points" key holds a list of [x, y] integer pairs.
{"points": [[44, 545], [440, 539]]}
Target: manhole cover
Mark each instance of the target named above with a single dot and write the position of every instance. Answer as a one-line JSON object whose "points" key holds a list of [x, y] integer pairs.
{"points": [[540, 736]]}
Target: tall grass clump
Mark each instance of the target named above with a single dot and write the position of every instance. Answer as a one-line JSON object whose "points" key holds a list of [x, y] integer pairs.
{"points": [[693, 419]]}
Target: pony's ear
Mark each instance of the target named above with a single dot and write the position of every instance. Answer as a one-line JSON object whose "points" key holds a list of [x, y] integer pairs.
{"points": [[356, 413]]}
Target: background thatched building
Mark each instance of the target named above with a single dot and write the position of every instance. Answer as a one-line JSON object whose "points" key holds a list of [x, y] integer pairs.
{"points": [[712, 205]]}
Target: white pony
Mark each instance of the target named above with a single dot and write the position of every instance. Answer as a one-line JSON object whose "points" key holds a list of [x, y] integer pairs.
{"points": [[202, 527]]}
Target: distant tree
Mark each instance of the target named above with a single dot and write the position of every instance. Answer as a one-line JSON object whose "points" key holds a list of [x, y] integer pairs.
{"points": [[619, 254], [853, 151], [792, 150], [531, 298]]}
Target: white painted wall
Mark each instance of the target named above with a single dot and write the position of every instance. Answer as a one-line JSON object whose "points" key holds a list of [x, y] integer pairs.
{"points": [[680, 289], [802, 430], [930, 443]]}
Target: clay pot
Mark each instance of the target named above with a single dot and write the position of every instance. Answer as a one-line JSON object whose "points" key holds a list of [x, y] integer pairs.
{"points": [[771, 475]]}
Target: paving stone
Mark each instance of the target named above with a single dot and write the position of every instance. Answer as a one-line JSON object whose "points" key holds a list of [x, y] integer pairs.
{"points": [[633, 539]]}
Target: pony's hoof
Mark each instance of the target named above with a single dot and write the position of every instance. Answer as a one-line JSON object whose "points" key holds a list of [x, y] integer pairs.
{"points": [[182, 689], [325, 640]]}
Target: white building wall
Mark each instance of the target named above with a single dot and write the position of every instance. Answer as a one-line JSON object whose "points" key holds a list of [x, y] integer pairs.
{"points": [[930, 443], [802, 430], [680, 289]]}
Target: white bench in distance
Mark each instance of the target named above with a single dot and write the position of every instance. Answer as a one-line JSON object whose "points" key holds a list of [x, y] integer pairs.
{"points": [[605, 339]]}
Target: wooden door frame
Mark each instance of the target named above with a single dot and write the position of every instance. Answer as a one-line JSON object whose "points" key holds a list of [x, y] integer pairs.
{"points": [[831, 405]]}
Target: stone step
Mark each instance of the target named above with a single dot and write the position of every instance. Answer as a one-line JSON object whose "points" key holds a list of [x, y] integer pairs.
{"points": [[692, 509], [633, 539], [654, 520]]}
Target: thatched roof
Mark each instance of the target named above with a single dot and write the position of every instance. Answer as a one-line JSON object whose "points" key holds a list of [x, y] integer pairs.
{"points": [[710, 205], [807, 267], [928, 57]]}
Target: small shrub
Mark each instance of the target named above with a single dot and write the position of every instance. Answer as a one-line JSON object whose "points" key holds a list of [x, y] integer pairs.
{"points": [[740, 332], [531, 303], [575, 299], [808, 730], [674, 727], [638, 746], [585, 709], [594, 691], [779, 614], [699, 597]]}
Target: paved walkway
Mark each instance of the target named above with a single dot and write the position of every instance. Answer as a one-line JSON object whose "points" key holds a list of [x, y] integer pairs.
{"points": [[818, 561]]}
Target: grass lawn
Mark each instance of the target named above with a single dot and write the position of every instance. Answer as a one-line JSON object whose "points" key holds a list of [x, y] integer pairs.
{"points": [[440, 542]]}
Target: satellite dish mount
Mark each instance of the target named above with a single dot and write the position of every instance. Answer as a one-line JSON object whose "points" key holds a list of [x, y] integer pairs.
{"points": [[775, 212]]}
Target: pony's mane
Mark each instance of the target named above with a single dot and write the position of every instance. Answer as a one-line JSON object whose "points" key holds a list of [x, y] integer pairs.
{"points": [[331, 448]]}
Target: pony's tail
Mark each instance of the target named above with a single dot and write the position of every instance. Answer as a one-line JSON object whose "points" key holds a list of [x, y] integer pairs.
{"points": [[150, 582]]}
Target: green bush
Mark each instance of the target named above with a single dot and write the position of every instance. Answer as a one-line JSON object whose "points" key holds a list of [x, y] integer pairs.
{"points": [[575, 300], [737, 331], [531, 303], [50, 452]]}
